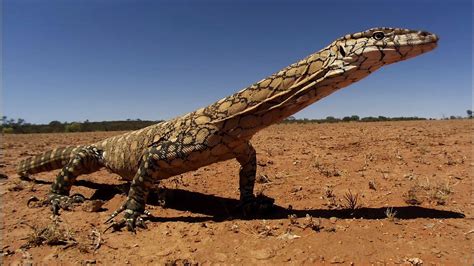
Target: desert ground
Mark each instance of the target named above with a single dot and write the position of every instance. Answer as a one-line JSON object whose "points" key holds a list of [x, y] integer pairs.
{"points": [[346, 193]]}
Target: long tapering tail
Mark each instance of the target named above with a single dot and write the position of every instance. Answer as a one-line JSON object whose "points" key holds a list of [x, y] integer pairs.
{"points": [[50, 160]]}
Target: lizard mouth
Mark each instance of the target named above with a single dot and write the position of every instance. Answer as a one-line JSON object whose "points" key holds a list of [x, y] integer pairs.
{"points": [[429, 42]]}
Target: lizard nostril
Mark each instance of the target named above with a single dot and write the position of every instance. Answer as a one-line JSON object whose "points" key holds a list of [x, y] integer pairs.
{"points": [[424, 33]]}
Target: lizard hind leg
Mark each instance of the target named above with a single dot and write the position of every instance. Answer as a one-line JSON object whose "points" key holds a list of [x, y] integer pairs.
{"points": [[158, 162], [85, 161], [247, 157]]}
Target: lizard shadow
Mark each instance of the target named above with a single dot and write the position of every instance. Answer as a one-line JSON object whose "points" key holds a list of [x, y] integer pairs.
{"points": [[219, 209], [216, 208]]}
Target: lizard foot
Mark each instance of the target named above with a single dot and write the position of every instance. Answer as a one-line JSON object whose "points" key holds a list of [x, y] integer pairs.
{"points": [[131, 219], [64, 202], [259, 205], [57, 202]]}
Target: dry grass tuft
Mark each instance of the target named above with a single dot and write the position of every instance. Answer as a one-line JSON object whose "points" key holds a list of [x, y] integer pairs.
{"points": [[53, 234], [390, 214], [351, 201], [330, 197], [327, 170], [411, 197], [313, 224], [437, 194]]}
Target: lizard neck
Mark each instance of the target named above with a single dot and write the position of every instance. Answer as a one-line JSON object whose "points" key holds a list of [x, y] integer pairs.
{"points": [[272, 90]]}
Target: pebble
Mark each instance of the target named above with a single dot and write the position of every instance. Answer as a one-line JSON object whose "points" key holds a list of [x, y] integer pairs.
{"points": [[435, 251], [296, 189], [262, 254], [333, 219], [163, 252], [336, 260], [415, 261], [221, 257], [93, 205], [87, 262]]}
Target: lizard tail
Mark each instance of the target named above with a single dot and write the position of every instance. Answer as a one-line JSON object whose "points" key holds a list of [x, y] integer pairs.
{"points": [[50, 160]]}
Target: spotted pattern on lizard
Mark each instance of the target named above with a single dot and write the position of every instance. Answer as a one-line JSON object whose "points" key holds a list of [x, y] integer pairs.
{"points": [[223, 130]]}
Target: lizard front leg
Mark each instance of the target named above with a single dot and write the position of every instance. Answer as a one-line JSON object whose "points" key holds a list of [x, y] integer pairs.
{"points": [[134, 206], [85, 161], [247, 157]]}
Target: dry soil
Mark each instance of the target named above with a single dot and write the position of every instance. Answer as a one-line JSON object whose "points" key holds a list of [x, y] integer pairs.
{"points": [[412, 182]]}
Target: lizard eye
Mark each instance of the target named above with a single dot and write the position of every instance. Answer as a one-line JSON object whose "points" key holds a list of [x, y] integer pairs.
{"points": [[378, 35]]}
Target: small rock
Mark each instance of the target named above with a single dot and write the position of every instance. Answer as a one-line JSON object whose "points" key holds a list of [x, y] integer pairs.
{"points": [[336, 260], [163, 252], [89, 262], [429, 225], [234, 228], [333, 220], [330, 229], [7, 252], [435, 251], [262, 254], [221, 257], [27, 259], [415, 261], [261, 179], [340, 228], [296, 189], [93, 205], [288, 235], [16, 187]]}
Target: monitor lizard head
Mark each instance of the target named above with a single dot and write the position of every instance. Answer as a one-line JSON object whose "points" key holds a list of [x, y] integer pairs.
{"points": [[357, 55]]}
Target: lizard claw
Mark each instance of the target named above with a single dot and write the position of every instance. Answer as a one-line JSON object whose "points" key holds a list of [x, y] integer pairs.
{"points": [[115, 213], [140, 222], [131, 219], [115, 226], [31, 200]]}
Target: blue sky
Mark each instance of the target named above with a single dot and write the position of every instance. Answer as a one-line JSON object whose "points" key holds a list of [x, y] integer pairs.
{"points": [[110, 60]]}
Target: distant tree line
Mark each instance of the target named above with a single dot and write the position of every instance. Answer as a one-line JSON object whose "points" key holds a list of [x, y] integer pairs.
{"points": [[10, 125], [20, 126], [332, 119]]}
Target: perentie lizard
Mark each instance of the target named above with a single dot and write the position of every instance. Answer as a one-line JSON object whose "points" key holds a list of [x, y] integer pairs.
{"points": [[222, 130]]}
